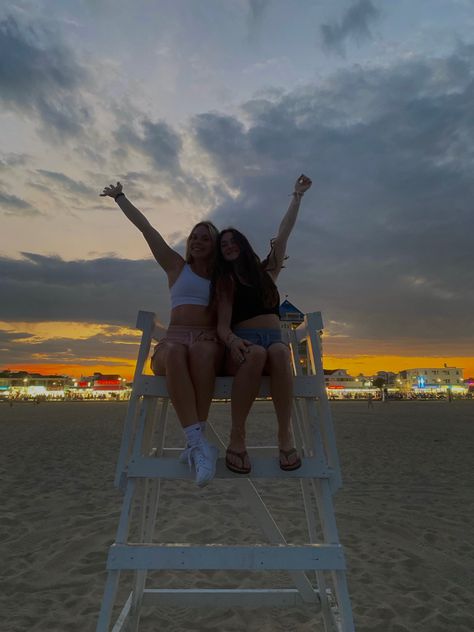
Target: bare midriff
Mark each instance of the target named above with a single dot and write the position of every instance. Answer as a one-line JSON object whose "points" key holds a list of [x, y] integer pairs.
{"points": [[262, 321], [193, 316]]}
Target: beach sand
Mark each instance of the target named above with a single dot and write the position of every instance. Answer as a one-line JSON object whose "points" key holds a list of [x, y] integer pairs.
{"points": [[405, 518]]}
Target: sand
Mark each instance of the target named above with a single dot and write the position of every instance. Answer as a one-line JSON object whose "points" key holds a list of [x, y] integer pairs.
{"points": [[405, 517]]}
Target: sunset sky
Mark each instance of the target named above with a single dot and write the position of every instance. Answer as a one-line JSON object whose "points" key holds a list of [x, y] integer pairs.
{"points": [[210, 109]]}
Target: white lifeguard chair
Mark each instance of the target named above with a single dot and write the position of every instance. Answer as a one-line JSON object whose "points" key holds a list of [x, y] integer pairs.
{"points": [[317, 569]]}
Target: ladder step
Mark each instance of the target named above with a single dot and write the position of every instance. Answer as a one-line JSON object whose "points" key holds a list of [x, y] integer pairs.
{"points": [[262, 467], [226, 598], [221, 557], [155, 386]]}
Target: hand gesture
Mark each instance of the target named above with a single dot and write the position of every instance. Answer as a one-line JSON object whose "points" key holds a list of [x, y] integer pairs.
{"points": [[302, 184], [112, 190], [239, 349]]}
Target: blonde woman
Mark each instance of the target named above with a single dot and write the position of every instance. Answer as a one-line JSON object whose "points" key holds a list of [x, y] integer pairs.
{"points": [[190, 355]]}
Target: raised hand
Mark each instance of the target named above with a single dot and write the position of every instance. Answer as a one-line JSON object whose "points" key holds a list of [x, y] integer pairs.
{"points": [[302, 184], [112, 190]]}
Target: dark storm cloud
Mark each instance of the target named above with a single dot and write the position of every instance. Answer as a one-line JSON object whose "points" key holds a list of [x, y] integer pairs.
{"points": [[105, 290], [24, 348], [383, 241], [40, 77], [157, 140], [162, 145], [354, 24]]}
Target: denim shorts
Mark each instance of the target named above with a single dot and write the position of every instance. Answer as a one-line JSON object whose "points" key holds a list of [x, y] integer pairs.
{"points": [[262, 337]]}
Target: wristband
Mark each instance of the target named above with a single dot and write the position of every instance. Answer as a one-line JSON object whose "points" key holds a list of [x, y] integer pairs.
{"points": [[298, 193], [118, 195]]}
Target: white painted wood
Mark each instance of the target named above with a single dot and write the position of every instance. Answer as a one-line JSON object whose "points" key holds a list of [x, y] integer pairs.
{"points": [[227, 598], [220, 557], [262, 467], [320, 477], [265, 521], [155, 386], [123, 616]]}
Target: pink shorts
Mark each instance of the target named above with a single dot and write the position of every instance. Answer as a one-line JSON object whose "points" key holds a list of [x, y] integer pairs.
{"points": [[186, 335]]}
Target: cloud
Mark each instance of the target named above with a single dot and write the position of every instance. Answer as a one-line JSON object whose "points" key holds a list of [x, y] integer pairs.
{"points": [[389, 150], [13, 205], [24, 347], [68, 184], [105, 290], [354, 24], [256, 13], [41, 78]]}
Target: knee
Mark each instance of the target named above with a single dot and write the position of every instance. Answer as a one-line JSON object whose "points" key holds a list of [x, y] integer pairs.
{"points": [[256, 355], [279, 356]]}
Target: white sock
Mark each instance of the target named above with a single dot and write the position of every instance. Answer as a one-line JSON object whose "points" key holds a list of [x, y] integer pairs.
{"points": [[193, 434]]}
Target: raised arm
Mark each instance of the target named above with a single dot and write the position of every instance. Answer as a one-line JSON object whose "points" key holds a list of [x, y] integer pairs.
{"points": [[277, 257], [168, 258]]}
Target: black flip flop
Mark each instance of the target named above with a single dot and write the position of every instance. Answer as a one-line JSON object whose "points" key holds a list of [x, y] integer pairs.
{"points": [[235, 468], [289, 467]]}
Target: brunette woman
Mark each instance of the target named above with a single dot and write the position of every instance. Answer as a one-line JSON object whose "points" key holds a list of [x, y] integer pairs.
{"points": [[249, 325]]}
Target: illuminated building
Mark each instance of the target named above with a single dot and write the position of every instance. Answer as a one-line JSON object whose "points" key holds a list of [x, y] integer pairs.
{"points": [[443, 379]]}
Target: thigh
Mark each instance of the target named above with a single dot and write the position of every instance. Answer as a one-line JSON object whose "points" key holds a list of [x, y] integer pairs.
{"points": [[207, 352], [159, 359], [278, 355]]}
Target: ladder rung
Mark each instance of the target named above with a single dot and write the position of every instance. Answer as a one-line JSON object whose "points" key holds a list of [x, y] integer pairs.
{"points": [[226, 598], [221, 557], [262, 467]]}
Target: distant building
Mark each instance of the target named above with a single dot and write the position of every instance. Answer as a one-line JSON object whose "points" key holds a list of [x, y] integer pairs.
{"points": [[469, 384], [100, 385], [290, 316], [340, 379], [431, 379], [24, 384]]}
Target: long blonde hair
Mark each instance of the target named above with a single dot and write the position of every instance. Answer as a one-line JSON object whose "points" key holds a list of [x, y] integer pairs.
{"points": [[214, 235]]}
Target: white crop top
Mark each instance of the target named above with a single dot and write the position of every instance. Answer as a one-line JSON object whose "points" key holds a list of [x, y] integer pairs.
{"points": [[189, 289]]}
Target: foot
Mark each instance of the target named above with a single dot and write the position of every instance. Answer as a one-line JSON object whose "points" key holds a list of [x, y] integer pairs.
{"points": [[203, 457], [289, 460], [237, 461]]}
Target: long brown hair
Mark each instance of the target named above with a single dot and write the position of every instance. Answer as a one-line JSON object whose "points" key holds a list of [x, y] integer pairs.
{"points": [[248, 267]]}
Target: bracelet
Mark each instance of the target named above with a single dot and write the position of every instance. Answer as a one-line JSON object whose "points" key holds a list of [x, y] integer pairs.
{"points": [[298, 194], [118, 195]]}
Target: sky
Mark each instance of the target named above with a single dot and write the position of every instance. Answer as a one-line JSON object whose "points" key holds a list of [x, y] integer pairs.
{"points": [[210, 109]]}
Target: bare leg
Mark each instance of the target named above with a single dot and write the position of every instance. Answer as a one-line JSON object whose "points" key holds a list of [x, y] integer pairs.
{"points": [[205, 361], [244, 391], [281, 386], [171, 359]]}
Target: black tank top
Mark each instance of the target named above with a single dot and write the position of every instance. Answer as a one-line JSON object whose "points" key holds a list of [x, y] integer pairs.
{"points": [[248, 302]]}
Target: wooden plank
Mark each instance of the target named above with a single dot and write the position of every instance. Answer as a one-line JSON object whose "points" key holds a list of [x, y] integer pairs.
{"points": [[123, 616], [226, 598], [222, 557], [262, 467], [155, 386]]}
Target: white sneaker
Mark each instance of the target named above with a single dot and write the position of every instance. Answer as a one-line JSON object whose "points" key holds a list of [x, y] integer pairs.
{"points": [[203, 456], [184, 456]]}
